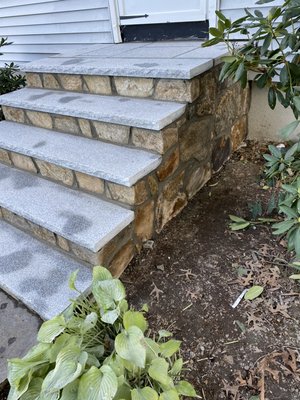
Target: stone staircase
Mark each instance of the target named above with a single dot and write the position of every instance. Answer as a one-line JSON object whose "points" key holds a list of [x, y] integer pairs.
{"points": [[98, 153]]}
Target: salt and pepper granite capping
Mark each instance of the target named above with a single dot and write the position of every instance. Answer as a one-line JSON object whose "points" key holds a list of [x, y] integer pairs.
{"points": [[100, 151]]}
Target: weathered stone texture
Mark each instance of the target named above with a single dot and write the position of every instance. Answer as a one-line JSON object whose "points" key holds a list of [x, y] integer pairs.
{"points": [[23, 162], [90, 183], [71, 82], [50, 82], [122, 259], [159, 142], [66, 124], [43, 120], [221, 152], [4, 157], [175, 89], [134, 195], [85, 127], [169, 165], [62, 243], [112, 132], [42, 233], [195, 139], [13, 114], [197, 178], [98, 84], [238, 132], [34, 80], [14, 219], [170, 201], [55, 172], [144, 219], [137, 87]]}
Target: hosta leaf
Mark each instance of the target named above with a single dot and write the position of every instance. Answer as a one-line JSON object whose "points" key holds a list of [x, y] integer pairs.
{"points": [[107, 292], [33, 390], [63, 341], [131, 346], [146, 393], [135, 318], [177, 367], [115, 362], [164, 334], [296, 277], [169, 348], [98, 384], [152, 350], [51, 329], [110, 317], [70, 392], [101, 274], [18, 389], [169, 395], [70, 363], [72, 280], [19, 370], [89, 322], [158, 371], [185, 389], [254, 292]]}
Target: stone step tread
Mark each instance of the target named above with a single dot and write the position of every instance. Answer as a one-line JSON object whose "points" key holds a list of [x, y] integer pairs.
{"points": [[114, 163], [37, 274], [83, 219], [141, 113], [173, 60]]}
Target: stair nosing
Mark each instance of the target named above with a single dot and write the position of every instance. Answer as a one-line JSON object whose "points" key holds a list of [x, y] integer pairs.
{"points": [[27, 286], [172, 111], [78, 165], [123, 219]]}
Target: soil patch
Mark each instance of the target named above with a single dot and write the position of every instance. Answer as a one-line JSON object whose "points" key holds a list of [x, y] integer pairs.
{"points": [[197, 268]]}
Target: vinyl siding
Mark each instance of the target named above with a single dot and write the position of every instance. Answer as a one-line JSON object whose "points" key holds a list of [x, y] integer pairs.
{"points": [[235, 9], [39, 28]]}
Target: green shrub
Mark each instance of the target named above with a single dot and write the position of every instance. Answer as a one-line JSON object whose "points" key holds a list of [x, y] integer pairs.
{"points": [[98, 349], [10, 80]]}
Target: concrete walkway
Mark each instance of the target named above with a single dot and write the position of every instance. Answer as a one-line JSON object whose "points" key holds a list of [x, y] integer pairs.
{"points": [[18, 330]]}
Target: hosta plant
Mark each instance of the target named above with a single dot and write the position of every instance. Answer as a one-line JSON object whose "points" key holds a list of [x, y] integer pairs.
{"points": [[290, 208], [99, 349]]}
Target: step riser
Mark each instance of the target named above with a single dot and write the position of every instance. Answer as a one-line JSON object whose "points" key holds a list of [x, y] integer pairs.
{"points": [[156, 141], [120, 194], [108, 256], [158, 89]]}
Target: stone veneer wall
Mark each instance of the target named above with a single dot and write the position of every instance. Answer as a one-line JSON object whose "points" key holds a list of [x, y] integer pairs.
{"points": [[193, 148]]}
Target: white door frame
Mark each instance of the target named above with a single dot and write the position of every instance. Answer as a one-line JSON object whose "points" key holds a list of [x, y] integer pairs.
{"points": [[115, 20], [212, 6]]}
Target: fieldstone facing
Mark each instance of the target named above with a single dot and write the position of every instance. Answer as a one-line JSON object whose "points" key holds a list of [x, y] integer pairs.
{"points": [[97, 84], [181, 90], [14, 114], [90, 183], [71, 82], [85, 127], [55, 172], [34, 80], [111, 132], [41, 119], [136, 87], [50, 82], [66, 124], [23, 162], [4, 157]]}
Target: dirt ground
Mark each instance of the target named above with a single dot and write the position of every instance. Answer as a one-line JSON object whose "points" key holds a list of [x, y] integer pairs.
{"points": [[198, 267]]}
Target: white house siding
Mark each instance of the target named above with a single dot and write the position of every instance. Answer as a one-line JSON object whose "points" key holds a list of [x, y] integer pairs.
{"points": [[234, 9], [39, 28]]}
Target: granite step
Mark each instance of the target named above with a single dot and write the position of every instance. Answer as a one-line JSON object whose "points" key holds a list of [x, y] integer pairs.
{"points": [[124, 111], [56, 213], [37, 274], [161, 71], [78, 157]]}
